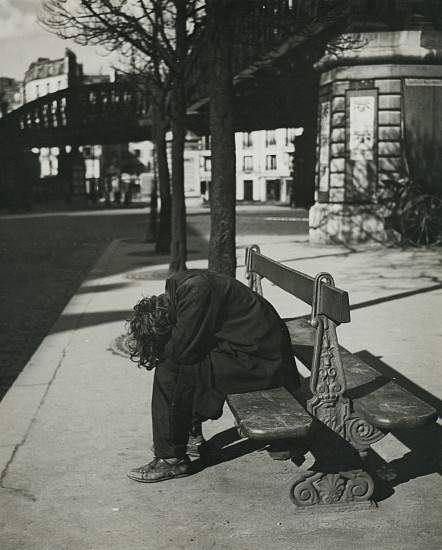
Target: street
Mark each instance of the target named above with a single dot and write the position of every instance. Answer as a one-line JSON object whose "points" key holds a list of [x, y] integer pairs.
{"points": [[46, 255]]}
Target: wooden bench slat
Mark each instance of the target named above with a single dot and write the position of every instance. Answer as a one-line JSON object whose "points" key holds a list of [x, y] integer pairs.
{"points": [[334, 302], [269, 414], [379, 400]]}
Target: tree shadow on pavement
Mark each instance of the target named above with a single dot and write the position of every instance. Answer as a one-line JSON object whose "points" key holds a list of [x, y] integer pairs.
{"points": [[397, 296], [92, 289], [68, 322]]}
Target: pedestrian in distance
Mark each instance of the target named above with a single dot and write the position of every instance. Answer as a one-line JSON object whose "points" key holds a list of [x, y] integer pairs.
{"points": [[207, 336]]}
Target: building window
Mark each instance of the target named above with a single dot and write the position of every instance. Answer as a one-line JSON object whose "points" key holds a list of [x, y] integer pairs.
{"points": [[207, 164], [289, 136], [288, 160], [247, 164], [137, 153], [270, 137], [205, 143], [247, 141], [48, 162], [271, 162]]}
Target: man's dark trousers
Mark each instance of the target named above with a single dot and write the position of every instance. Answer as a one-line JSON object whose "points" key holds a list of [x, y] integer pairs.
{"points": [[172, 406]]}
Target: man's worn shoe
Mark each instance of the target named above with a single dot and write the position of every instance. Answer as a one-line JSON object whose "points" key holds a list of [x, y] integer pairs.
{"points": [[161, 469]]}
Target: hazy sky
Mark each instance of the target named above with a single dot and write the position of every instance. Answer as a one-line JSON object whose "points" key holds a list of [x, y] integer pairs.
{"points": [[22, 41]]}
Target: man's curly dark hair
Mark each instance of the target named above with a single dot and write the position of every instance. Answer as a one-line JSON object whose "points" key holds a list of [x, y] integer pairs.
{"points": [[150, 327]]}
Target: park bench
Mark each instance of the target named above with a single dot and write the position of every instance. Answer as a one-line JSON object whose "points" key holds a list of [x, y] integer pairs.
{"points": [[351, 405]]}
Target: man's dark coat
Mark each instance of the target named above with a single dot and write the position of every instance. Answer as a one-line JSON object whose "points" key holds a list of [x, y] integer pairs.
{"points": [[234, 338]]}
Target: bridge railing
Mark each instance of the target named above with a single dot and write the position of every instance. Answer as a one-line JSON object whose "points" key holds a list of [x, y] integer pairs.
{"points": [[79, 106]]}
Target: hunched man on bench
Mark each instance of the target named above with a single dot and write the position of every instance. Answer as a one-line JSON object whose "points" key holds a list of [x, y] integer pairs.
{"points": [[208, 336]]}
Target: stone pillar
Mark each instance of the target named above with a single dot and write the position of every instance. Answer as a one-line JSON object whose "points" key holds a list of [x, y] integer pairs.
{"points": [[361, 128]]}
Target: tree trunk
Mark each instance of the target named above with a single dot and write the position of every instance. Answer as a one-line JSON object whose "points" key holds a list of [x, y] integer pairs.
{"points": [[304, 162], [178, 244], [179, 238], [152, 230], [164, 233], [222, 249]]}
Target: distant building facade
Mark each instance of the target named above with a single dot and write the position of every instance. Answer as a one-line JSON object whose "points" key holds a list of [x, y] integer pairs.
{"points": [[46, 76], [264, 165]]}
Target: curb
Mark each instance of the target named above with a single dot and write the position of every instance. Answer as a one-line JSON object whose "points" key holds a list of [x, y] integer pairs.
{"points": [[21, 404]]}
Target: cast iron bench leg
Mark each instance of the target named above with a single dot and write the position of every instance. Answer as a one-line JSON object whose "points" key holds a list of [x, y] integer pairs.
{"points": [[345, 489]]}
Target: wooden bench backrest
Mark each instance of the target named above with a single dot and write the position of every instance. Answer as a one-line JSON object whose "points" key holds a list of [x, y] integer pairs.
{"points": [[333, 302]]}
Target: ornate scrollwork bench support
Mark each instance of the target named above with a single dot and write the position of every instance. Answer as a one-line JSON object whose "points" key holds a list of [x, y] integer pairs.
{"points": [[361, 434], [344, 489], [341, 490]]}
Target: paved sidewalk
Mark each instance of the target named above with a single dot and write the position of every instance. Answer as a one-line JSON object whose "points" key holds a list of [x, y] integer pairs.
{"points": [[78, 417]]}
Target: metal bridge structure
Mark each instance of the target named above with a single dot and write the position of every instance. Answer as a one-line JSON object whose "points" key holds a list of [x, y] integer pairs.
{"points": [[102, 114], [90, 114]]}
